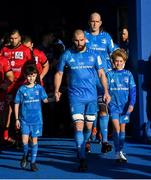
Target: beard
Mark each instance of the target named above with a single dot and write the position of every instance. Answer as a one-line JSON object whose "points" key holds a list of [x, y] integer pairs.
{"points": [[80, 47]]}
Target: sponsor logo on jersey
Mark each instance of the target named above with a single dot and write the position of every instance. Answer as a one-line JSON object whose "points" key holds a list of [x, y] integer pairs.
{"points": [[119, 89], [18, 55], [16, 69], [98, 48], [31, 101]]}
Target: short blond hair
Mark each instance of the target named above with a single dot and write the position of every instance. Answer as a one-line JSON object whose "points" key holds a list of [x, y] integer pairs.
{"points": [[121, 53]]}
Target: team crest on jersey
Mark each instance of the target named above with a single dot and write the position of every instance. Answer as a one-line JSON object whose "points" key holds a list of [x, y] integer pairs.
{"points": [[91, 58], [112, 80], [126, 79], [12, 63], [103, 41], [37, 92], [18, 55]]}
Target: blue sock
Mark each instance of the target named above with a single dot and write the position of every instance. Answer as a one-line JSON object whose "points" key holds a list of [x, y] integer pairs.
{"points": [[103, 123], [34, 149], [121, 140], [79, 139], [116, 141], [87, 133], [25, 149]]}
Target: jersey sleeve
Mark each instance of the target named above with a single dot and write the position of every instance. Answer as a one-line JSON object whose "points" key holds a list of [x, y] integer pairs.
{"points": [[99, 64], [7, 66], [18, 96], [43, 58], [43, 93], [132, 91], [110, 44]]}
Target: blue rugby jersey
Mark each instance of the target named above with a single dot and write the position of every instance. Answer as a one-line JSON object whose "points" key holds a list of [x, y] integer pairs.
{"points": [[30, 103], [103, 44], [122, 89], [82, 68]]}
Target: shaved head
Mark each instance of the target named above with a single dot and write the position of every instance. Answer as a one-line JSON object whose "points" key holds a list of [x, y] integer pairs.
{"points": [[95, 15], [78, 32], [95, 23], [79, 40]]}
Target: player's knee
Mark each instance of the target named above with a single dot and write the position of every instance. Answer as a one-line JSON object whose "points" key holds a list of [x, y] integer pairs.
{"points": [[78, 117], [90, 118]]}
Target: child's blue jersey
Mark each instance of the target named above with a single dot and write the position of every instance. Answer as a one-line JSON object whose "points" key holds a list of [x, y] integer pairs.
{"points": [[30, 103], [103, 44], [122, 89], [82, 72]]}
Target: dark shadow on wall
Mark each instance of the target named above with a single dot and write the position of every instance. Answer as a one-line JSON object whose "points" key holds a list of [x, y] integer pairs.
{"points": [[144, 68]]}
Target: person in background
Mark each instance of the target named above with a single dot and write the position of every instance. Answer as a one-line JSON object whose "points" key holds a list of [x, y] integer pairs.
{"points": [[18, 55], [6, 80], [124, 40], [40, 58], [122, 89], [101, 42], [124, 44], [83, 65], [28, 114]]}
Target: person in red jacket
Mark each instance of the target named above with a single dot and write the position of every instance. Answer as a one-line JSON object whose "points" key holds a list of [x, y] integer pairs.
{"points": [[6, 79], [17, 54], [39, 56]]}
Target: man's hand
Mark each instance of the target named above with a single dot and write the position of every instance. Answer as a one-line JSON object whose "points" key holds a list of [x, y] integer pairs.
{"points": [[106, 98], [57, 96], [17, 124]]}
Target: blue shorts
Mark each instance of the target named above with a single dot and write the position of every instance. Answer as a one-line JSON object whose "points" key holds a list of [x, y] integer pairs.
{"points": [[31, 130], [123, 119], [83, 109]]}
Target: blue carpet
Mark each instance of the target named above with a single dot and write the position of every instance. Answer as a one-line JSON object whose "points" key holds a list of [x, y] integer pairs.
{"points": [[57, 160]]}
